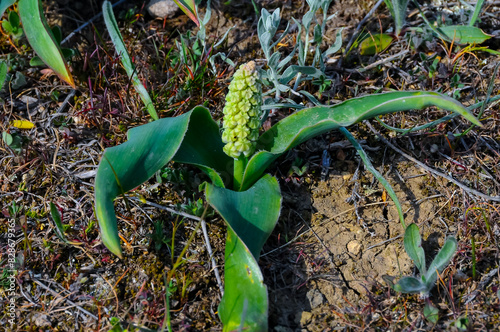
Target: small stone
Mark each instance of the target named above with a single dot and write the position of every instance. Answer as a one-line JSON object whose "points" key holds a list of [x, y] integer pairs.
{"points": [[162, 8], [41, 320], [315, 298], [354, 247], [305, 318]]}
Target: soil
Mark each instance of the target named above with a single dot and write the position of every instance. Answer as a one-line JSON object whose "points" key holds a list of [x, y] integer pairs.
{"points": [[338, 242]]}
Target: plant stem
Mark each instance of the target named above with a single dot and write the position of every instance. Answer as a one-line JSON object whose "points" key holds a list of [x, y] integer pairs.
{"points": [[473, 245], [239, 169]]}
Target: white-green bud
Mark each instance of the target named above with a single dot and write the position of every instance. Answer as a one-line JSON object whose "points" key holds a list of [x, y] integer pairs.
{"points": [[242, 112]]}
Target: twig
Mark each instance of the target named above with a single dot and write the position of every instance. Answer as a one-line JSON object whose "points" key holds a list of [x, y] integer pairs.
{"points": [[205, 235], [209, 249], [382, 61], [161, 207], [83, 26], [438, 173], [56, 294], [384, 242], [355, 34]]}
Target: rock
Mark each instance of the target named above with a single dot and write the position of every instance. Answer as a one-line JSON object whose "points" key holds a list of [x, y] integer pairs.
{"points": [[315, 298], [305, 318], [354, 247], [162, 8], [41, 320]]}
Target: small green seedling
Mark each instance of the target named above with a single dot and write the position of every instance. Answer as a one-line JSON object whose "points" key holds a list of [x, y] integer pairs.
{"points": [[428, 276], [12, 26]]}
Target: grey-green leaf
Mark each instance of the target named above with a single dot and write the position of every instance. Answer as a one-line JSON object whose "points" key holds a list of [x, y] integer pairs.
{"points": [[441, 260], [413, 247], [410, 285]]}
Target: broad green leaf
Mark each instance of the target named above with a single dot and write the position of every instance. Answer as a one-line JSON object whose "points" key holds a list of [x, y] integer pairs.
{"points": [[251, 216], [413, 247], [41, 39], [4, 4], [189, 8], [375, 43], [441, 260], [410, 285], [307, 123], [3, 73], [116, 37], [431, 313], [463, 34], [373, 170], [191, 138]]}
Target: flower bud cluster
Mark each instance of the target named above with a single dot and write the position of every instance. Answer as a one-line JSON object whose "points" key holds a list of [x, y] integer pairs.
{"points": [[242, 112]]}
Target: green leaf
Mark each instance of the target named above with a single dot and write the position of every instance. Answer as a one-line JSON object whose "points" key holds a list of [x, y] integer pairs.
{"points": [[41, 39], [189, 8], [57, 33], [477, 11], [67, 53], [57, 220], [462, 323], [463, 34], [7, 138], [307, 123], [410, 285], [251, 216], [431, 313], [14, 20], [336, 46], [4, 4], [413, 247], [116, 37], [441, 260], [373, 170], [3, 73], [375, 43], [190, 138], [398, 12]]}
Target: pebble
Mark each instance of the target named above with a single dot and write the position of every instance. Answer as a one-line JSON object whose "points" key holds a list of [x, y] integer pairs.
{"points": [[315, 298], [354, 247], [162, 8], [305, 318]]}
